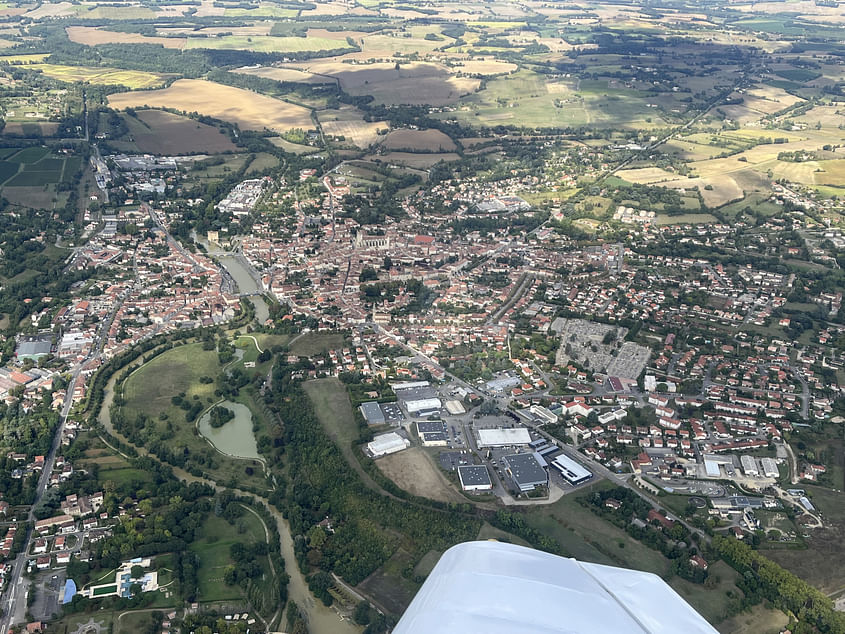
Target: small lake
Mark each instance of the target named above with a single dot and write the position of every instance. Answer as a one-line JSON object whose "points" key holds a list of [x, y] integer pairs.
{"points": [[235, 438]]}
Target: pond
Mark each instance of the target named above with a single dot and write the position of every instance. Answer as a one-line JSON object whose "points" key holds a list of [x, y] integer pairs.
{"points": [[234, 438]]}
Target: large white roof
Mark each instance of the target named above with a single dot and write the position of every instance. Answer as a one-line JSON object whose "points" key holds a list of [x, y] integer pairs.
{"points": [[506, 437], [499, 588]]}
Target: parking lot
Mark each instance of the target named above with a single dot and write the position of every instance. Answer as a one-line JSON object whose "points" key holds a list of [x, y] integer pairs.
{"points": [[48, 587]]}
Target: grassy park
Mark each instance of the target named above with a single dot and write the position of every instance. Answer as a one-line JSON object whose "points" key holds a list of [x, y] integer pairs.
{"points": [[184, 372]]}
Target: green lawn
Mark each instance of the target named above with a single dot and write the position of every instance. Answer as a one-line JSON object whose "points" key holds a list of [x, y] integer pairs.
{"points": [[586, 536], [150, 388], [216, 538], [149, 391], [332, 406], [313, 343], [709, 602]]}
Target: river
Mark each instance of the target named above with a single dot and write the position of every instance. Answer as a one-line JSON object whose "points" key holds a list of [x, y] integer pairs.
{"points": [[235, 266], [321, 619]]}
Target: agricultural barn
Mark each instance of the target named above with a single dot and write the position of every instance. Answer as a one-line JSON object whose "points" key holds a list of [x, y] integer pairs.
{"points": [[474, 478], [386, 444]]}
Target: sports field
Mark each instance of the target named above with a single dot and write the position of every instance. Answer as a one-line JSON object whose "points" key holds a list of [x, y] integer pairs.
{"points": [[249, 110]]}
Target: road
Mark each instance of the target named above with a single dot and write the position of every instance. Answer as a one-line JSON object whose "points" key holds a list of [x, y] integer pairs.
{"points": [[16, 587], [14, 597], [174, 244]]}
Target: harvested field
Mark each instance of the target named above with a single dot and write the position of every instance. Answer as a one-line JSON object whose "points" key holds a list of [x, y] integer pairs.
{"points": [[39, 196], [833, 172], [647, 175], [207, 9], [168, 133], [414, 472], [418, 160], [266, 44], [419, 140], [414, 83], [134, 79], [725, 189], [293, 148], [92, 36], [801, 172], [286, 74], [214, 31], [57, 10], [684, 219], [249, 110], [32, 58], [348, 123]]}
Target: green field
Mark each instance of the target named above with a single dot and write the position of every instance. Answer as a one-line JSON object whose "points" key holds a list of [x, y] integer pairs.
{"points": [[149, 391], [586, 536], [331, 403], [7, 170], [150, 388], [29, 155], [267, 44], [212, 547], [34, 179], [313, 343]]}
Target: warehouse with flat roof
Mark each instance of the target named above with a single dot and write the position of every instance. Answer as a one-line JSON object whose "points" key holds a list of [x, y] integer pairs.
{"points": [[770, 467], [526, 471], [503, 437], [372, 413], [386, 444], [474, 478], [749, 466], [572, 471]]}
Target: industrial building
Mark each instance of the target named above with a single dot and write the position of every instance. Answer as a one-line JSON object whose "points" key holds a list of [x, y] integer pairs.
{"points": [[474, 478], [749, 466], [503, 437], [542, 415], [526, 470], [572, 471], [372, 413], [34, 346], [418, 398], [432, 433], [386, 444], [712, 462], [770, 467], [455, 408]]}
